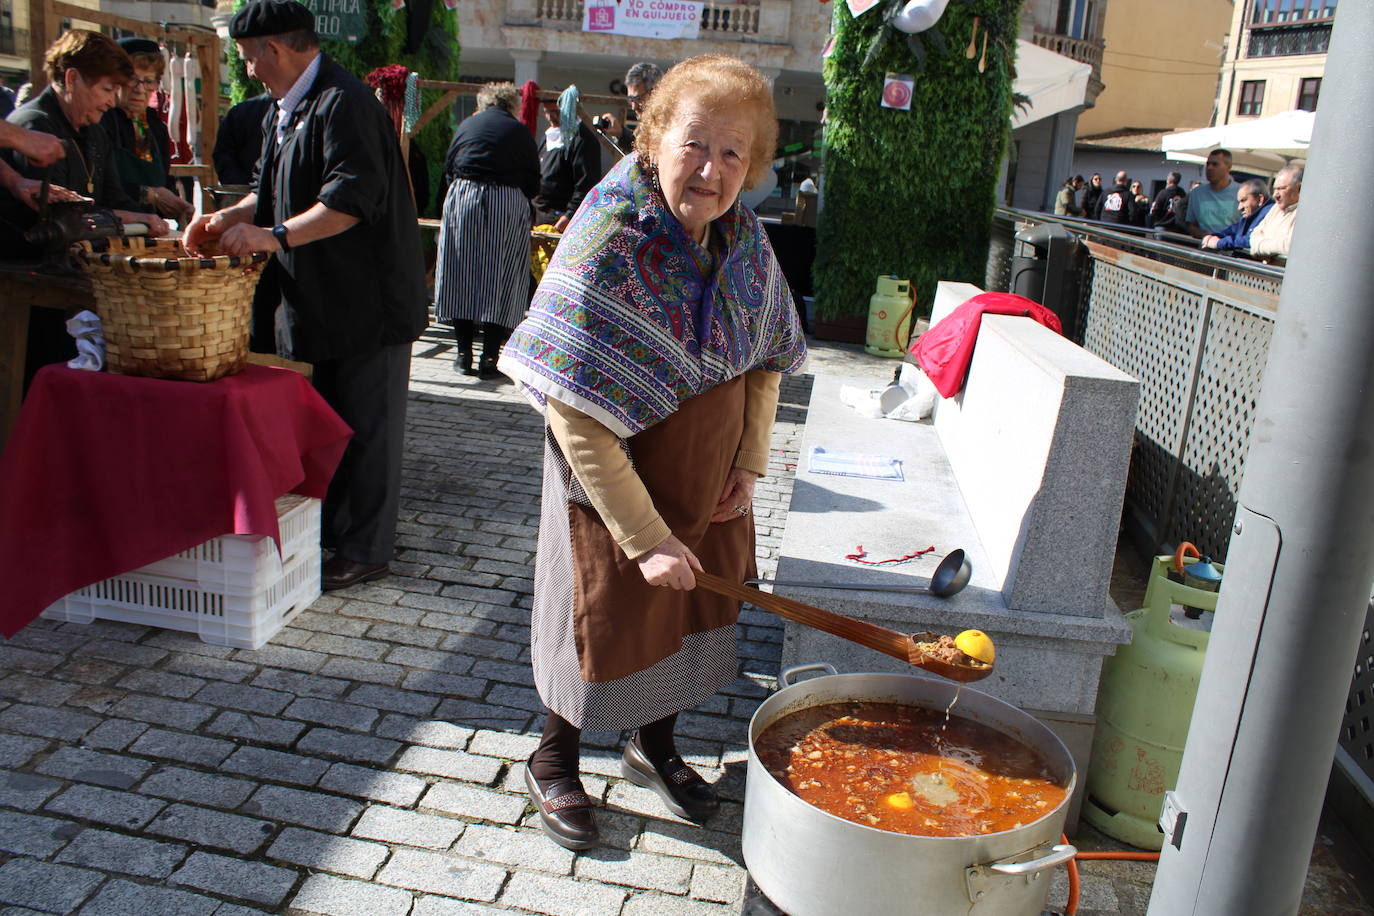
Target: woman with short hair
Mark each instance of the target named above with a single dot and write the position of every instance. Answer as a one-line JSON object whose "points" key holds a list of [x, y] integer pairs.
{"points": [[654, 347], [85, 72], [483, 273], [142, 146]]}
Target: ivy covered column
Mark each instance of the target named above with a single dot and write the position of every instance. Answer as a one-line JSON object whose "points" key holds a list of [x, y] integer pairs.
{"points": [[911, 191]]}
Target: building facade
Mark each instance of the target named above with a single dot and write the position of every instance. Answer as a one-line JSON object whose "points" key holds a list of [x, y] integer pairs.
{"points": [[1275, 58], [1042, 139], [543, 40], [1159, 65], [17, 40]]}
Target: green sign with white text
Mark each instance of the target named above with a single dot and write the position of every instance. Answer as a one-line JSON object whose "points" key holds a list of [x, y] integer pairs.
{"points": [[338, 20]]}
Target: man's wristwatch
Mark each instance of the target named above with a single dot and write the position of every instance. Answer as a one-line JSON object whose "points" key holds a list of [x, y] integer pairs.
{"points": [[279, 233]]}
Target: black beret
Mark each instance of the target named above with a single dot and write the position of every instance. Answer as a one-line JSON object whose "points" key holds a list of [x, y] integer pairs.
{"points": [[271, 17], [139, 46]]}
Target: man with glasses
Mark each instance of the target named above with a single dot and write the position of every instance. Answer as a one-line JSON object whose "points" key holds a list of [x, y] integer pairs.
{"points": [[640, 81]]}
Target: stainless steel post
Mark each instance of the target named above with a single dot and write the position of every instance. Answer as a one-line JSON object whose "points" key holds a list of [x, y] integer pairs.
{"points": [[1244, 816]]}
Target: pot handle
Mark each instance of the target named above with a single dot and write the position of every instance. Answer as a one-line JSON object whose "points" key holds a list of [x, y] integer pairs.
{"points": [[1058, 855], [786, 678]]}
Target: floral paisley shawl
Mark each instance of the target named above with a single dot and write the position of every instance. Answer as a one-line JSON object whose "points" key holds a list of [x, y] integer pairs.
{"points": [[633, 317]]}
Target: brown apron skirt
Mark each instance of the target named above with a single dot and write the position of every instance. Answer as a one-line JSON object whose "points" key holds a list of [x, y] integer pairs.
{"points": [[610, 651]]}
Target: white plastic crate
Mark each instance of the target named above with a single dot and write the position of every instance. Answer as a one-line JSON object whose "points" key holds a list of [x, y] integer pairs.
{"points": [[230, 591], [240, 555]]}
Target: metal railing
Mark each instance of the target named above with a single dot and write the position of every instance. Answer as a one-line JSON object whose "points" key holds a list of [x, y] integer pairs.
{"points": [[1193, 327], [1287, 41], [1084, 50], [721, 17]]}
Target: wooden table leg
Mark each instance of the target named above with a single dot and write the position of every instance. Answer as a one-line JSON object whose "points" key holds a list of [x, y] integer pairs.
{"points": [[14, 336]]}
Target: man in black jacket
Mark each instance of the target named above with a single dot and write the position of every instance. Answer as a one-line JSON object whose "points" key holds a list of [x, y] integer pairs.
{"points": [[1162, 214], [238, 145], [569, 167], [333, 205], [1115, 206]]}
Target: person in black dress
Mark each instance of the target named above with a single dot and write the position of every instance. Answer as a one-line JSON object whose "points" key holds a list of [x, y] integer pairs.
{"points": [[85, 71], [491, 172], [333, 206], [142, 147]]}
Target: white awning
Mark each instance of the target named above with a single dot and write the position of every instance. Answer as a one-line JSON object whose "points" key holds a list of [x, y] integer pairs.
{"points": [[1259, 145], [1053, 82]]}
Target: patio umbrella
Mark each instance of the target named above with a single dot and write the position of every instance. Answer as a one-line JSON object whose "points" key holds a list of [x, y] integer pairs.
{"points": [[1259, 145]]}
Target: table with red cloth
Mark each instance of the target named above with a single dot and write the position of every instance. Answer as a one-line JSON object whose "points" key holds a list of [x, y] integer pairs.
{"points": [[107, 473]]}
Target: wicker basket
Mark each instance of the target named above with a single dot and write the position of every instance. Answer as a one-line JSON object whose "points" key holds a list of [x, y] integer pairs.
{"points": [[166, 314]]}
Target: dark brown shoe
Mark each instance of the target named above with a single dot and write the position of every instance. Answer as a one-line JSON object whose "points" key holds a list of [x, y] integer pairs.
{"points": [[565, 812], [340, 572], [682, 789]]}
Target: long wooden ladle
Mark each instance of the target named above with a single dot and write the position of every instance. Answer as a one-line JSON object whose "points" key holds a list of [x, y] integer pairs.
{"points": [[902, 646]]}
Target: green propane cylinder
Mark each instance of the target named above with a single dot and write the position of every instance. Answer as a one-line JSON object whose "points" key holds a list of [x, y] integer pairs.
{"points": [[1144, 706], [888, 309]]}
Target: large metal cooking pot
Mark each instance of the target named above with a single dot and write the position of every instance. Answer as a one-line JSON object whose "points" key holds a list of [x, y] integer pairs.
{"points": [[226, 195], [810, 863]]}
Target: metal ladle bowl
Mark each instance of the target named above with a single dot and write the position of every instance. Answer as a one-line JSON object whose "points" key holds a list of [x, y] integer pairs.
{"points": [[951, 575], [950, 578]]}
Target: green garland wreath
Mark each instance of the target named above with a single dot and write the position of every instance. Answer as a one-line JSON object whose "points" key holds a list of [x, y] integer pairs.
{"points": [[912, 193], [383, 42]]}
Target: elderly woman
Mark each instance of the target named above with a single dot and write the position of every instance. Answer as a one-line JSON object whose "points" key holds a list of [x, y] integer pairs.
{"points": [[654, 346], [142, 147], [483, 273], [85, 72]]}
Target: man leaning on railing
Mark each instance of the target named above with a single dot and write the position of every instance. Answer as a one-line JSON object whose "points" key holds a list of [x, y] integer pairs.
{"points": [[1272, 237], [1254, 203]]}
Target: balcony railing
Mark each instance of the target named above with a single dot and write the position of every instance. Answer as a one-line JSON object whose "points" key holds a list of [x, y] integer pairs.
{"points": [[1084, 50], [719, 17], [14, 41], [1283, 42]]}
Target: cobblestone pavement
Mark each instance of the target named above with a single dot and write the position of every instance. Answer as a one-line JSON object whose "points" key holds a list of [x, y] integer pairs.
{"points": [[367, 762]]}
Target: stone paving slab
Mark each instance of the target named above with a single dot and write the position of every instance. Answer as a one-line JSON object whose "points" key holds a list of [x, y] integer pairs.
{"points": [[368, 761]]}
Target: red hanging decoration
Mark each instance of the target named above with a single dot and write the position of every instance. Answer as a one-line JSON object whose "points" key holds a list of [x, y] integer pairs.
{"points": [[391, 82]]}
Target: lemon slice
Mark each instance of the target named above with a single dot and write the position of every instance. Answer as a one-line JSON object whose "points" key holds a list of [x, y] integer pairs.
{"points": [[977, 645]]}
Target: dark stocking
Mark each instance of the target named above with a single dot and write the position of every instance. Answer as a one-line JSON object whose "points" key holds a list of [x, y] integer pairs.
{"points": [[493, 338], [558, 753], [463, 332], [656, 739]]}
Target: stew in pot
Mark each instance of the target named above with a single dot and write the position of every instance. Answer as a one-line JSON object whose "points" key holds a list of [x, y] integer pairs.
{"points": [[909, 769]]}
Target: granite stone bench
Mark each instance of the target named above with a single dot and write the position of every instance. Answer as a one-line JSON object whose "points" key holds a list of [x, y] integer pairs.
{"points": [[1025, 470]]}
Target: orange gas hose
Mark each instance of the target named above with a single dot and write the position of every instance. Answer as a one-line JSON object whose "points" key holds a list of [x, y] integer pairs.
{"points": [[1130, 856], [1071, 905]]}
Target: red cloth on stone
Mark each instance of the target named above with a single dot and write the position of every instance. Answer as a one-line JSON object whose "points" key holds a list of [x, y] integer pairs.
{"points": [[944, 351], [107, 473]]}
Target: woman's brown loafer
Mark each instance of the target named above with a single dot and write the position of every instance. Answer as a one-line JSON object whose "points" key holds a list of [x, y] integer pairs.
{"points": [[682, 789], [565, 812]]}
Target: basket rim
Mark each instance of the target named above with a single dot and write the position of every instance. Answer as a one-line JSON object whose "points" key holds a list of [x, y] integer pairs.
{"points": [[97, 253]]}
